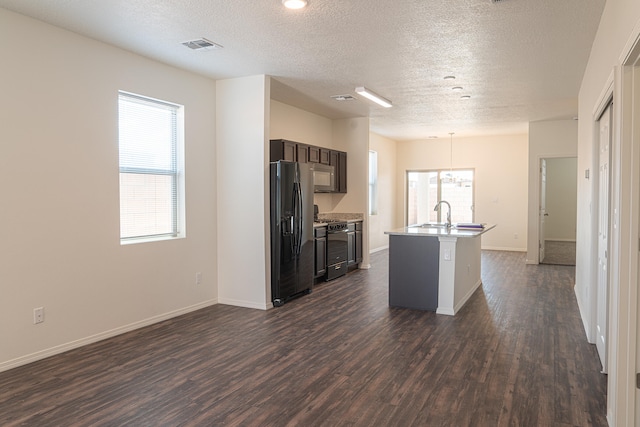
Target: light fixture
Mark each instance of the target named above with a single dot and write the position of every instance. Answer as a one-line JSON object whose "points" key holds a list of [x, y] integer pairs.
{"points": [[380, 100], [456, 88], [465, 97], [449, 77], [294, 4], [450, 175]]}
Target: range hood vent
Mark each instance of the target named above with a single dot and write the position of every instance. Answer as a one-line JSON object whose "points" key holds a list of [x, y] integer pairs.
{"points": [[343, 97], [202, 44]]}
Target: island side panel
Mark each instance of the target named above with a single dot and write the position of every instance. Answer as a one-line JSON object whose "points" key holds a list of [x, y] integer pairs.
{"points": [[468, 274], [414, 271]]}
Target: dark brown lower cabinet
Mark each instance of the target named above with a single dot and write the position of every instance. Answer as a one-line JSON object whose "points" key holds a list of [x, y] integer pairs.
{"points": [[354, 243], [320, 234]]}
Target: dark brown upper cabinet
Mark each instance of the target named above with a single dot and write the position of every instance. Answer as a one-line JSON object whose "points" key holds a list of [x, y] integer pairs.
{"points": [[282, 149]]}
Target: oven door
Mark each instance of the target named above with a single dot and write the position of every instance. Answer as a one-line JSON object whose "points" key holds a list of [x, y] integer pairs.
{"points": [[337, 246]]}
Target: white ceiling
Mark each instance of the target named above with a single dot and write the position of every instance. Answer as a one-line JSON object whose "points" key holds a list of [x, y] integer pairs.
{"points": [[520, 60]]}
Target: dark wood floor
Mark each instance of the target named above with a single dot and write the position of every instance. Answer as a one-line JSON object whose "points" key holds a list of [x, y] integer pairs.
{"points": [[515, 355]]}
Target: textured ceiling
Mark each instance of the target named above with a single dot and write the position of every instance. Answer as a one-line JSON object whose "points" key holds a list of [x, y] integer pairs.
{"points": [[520, 60]]}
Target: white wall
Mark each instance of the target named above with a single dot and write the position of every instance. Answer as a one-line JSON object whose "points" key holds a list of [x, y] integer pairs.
{"points": [[243, 187], [386, 218], [501, 166], [619, 27], [59, 244], [298, 125], [561, 200], [557, 138]]}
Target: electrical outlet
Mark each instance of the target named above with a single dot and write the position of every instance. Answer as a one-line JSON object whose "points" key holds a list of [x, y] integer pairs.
{"points": [[38, 315], [447, 254], [198, 278]]}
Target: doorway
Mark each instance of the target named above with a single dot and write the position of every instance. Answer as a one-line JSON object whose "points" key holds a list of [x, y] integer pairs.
{"points": [[558, 210]]}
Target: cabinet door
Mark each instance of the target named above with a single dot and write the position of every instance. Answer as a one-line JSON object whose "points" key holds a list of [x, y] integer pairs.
{"points": [[314, 154], [351, 245], [338, 159], [303, 153], [334, 159], [325, 156], [351, 248], [281, 149], [321, 256], [342, 173], [358, 246], [288, 151]]}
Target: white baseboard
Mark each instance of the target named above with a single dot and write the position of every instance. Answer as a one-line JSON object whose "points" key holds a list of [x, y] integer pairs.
{"points": [[381, 248], [553, 239], [43, 354], [245, 304], [506, 249], [464, 299], [583, 317]]}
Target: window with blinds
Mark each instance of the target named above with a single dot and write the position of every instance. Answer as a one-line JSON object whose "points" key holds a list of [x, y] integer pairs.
{"points": [[149, 134]]}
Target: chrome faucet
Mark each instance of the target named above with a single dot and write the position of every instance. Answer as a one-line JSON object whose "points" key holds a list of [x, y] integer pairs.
{"points": [[448, 213]]}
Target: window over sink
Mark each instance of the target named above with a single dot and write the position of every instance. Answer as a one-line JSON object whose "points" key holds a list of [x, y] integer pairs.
{"points": [[426, 188]]}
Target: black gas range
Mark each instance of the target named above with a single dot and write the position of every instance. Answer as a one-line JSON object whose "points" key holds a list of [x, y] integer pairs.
{"points": [[337, 248]]}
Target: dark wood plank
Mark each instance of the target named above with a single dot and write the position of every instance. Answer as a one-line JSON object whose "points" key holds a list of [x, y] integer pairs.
{"points": [[515, 355]]}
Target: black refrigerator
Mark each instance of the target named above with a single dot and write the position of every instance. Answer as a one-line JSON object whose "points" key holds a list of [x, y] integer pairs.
{"points": [[292, 256]]}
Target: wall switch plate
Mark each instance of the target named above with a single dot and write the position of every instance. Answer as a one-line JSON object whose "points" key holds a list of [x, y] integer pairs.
{"points": [[447, 254], [38, 315], [198, 278]]}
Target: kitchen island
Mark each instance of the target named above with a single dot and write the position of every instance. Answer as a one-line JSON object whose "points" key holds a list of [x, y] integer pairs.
{"points": [[433, 267]]}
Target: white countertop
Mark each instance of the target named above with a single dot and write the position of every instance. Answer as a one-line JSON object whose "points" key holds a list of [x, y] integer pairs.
{"points": [[440, 231]]}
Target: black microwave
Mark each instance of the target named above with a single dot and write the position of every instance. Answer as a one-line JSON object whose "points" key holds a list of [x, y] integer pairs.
{"points": [[324, 178]]}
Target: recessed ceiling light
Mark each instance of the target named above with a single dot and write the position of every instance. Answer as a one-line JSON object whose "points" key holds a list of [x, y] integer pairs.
{"points": [[294, 4], [449, 77], [465, 97], [432, 137], [456, 88]]}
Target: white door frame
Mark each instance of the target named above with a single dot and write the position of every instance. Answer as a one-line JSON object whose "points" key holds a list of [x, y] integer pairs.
{"points": [[625, 200], [541, 157], [542, 208], [602, 213]]}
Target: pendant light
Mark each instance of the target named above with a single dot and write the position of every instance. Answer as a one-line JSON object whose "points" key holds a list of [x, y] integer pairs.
{"points": [[451, 156]]}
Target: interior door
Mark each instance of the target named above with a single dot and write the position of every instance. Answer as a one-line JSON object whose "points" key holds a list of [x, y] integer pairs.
{"points": [[543, 208], [602, 312]]}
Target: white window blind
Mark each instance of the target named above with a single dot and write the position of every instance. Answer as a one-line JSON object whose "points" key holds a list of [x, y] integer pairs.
{"points": [[373, 183], [148, 142]]}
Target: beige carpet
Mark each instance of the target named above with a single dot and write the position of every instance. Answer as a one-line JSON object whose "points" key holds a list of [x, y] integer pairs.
{"points": [[559, 253]]}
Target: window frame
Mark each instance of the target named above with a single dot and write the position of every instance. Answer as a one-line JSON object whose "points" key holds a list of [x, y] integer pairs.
{"points": [[175, 172], [440, 173], [373, 182]]}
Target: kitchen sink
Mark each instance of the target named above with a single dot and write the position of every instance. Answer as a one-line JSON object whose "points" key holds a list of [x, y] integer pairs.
{"points": [[431, 225]]}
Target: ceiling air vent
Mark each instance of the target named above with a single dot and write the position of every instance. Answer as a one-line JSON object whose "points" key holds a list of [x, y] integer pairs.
{"points": [[202, 44], [343, 97], [498, 1]]}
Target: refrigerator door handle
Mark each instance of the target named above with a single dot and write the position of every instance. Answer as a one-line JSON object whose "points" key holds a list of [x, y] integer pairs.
{"points": [[294, 221], [300, 216]]}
